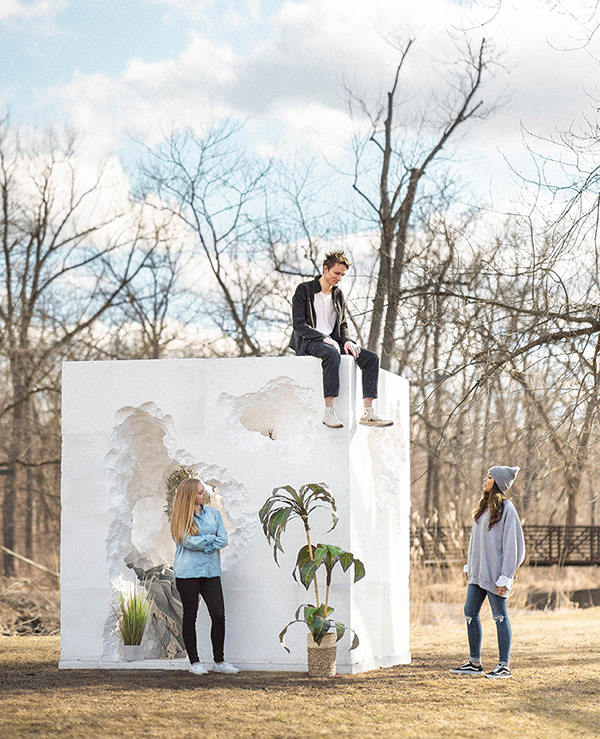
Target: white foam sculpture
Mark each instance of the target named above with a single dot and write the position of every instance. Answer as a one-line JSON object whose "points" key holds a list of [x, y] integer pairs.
{"points": [[247, 425]]}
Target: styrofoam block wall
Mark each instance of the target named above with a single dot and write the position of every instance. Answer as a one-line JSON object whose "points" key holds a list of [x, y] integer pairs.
{"points": [[248, 425]]}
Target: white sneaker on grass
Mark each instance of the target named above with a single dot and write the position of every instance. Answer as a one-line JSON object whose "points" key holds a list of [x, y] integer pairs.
{"points": [[225, 667], [331, 420], [198, 669]]}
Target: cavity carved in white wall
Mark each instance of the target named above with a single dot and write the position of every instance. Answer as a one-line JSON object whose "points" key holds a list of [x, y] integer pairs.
{"points": [[144, 452], [279, 417]]}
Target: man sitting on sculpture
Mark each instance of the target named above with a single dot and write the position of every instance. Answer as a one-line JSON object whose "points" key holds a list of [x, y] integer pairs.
{"points": [[321, 330]]}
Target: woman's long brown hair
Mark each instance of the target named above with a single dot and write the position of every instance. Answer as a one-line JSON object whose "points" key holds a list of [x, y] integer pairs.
{"points": [[492, 502], [182, 518]]}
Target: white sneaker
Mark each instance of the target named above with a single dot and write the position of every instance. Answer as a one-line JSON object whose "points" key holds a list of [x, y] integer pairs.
{"points": [[331, 420], [370, 418], [225, 667], [198, 669]]}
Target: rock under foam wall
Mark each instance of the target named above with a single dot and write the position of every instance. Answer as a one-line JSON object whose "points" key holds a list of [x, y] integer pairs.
{"points": [[247, 426]]}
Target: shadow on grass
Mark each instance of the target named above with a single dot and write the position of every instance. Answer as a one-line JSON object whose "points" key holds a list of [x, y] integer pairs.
{"points": [[562, 701], [33, 676]]}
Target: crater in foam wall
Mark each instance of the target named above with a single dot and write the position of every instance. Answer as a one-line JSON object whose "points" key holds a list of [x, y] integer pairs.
{"points": [[280, 416], [144, 453]]}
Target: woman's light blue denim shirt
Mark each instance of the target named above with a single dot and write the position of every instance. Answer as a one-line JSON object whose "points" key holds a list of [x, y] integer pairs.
{"points": [[199, 556]]}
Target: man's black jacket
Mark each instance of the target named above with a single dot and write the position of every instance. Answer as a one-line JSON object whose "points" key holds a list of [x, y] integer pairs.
{"points": [[304, 317]]}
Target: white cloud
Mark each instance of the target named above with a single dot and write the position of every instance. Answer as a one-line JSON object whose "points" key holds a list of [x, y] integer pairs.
{"points": [[324, 130], [33, 11], [241, 14], [10, 8], [188, 6], [313, 47], [149, 100], [547, 87], [291, 83], [237, 13]]}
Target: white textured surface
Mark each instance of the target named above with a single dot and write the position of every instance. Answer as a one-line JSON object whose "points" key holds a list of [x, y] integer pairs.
{"points": [[247, 425]]}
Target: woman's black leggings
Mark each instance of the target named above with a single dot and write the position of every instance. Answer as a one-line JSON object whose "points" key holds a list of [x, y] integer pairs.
{"points": [[190, 588]]}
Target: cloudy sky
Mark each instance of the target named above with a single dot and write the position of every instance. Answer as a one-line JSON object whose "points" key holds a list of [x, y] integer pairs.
{"points": [[122, 68]]}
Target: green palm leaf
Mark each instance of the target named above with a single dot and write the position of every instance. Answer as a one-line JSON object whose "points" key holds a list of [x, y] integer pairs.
{"points": [[326, 555], [286, 503]]}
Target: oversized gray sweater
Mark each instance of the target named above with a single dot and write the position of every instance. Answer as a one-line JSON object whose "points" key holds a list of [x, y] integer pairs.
{"points": [[495, 554]]}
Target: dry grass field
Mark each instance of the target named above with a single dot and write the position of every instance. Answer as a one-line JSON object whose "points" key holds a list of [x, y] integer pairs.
{"points": [[555, 692]]}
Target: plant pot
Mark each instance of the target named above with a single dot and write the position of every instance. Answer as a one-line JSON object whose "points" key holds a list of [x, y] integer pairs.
{"points": [[132, 652], [321, 657]]}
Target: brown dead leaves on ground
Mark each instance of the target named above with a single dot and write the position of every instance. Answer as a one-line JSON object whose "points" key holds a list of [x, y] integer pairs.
{"points": [[555, 692]]}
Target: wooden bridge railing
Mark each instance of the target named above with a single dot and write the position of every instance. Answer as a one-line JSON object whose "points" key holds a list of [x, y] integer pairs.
{"points": [[545, 545]]}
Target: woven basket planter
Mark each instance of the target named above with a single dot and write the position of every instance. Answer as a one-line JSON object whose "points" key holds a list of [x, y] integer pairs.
{"points": [[321, 657]]}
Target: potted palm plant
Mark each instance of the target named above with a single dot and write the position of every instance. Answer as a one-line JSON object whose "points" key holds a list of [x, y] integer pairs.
{"points": [[132, 617], [284, 504], [172, 483]]}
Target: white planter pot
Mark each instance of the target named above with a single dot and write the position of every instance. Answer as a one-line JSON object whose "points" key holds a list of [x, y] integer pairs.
{"points": [[132, 652]]}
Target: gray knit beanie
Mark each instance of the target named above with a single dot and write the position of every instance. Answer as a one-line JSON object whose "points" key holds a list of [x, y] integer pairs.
{"points": [[504, 476]]}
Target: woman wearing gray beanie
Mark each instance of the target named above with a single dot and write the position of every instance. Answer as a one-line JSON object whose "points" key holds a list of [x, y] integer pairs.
{"points": [[496, 550]]}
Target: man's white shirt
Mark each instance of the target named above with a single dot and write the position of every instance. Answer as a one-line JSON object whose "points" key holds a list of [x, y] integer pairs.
{"points": [[325, 310]]}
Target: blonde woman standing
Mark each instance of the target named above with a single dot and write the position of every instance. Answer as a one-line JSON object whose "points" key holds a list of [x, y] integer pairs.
{"points": [[496, 550], [199, 534]]}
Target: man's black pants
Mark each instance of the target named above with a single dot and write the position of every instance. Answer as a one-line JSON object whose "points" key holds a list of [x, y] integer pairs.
{"points": [[367, 360]]}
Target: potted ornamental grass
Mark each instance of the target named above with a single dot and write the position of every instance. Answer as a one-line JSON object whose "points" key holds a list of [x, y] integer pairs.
{"points": [[132, 616], [285, 504]]}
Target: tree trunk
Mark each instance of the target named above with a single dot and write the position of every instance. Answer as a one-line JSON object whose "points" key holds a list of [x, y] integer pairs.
{"points": [[394, 291], [29, 513], [9, 505], [383, 281]]}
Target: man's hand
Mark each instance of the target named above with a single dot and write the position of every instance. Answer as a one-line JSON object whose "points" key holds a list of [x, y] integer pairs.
{"points": [[501, 591], [351, 348], [332, 342]]}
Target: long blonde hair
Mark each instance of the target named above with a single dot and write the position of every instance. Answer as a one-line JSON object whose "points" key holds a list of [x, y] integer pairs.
{"points": [[182, 519], [492, 502]]}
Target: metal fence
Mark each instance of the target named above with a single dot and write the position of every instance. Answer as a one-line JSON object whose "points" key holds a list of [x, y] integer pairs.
{"points": [[545, 545]]}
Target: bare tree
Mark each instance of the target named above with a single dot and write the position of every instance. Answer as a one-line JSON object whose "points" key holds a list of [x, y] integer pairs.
{"points": [[67, 255], [401, 169], [535, 347], [216, 191], [150, 317]]}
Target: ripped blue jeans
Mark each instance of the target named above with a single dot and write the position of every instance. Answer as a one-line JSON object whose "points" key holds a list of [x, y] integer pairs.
{"points": [[475, 598]]}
